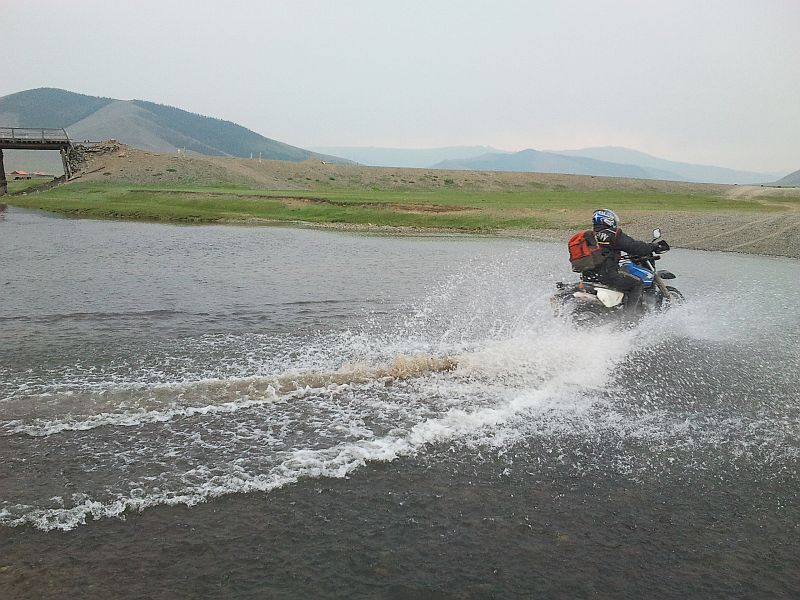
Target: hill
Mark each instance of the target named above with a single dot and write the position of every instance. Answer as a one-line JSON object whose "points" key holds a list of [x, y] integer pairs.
{"points": [[47, 107], [120, 164], [141, 124]]}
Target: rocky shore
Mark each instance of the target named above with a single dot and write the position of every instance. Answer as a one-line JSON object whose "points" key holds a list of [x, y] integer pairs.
{"points": [[774, 234]]}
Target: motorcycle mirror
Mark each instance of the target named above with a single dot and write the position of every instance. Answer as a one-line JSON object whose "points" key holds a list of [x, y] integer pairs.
{"points": [[656, 234]]}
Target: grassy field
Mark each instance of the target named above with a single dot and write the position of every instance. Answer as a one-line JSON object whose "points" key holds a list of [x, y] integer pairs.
{"points": [[451, 209], [15, 186]]}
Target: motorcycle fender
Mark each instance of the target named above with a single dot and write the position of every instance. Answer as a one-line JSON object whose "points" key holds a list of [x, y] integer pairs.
{"points": [[610, 298], [585, 296], [666, 275]]}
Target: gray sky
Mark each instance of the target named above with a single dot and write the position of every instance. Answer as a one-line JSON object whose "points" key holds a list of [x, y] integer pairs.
{"points": [[715, 82]]}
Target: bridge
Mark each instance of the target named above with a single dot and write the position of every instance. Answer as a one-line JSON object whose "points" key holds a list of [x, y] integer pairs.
{"points": [[28, 138]]}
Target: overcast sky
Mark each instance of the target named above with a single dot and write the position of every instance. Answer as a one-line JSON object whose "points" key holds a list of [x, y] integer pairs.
{"points": [[715, 82]]}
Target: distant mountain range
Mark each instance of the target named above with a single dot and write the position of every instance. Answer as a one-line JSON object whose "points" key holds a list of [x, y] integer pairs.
{"points": [[680, 171], [417, 158], [141, 124], [548, 162], [160, 128], [608, 161]]}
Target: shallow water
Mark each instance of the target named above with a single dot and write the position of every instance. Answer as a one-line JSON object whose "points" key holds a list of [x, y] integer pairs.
{"points": [[274, 412]]}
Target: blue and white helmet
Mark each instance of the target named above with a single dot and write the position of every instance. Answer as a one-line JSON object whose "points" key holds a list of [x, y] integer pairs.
{"points": [[605, 218]]}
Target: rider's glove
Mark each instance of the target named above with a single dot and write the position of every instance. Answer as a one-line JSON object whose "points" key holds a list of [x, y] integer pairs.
{"points": [[659, 246]]}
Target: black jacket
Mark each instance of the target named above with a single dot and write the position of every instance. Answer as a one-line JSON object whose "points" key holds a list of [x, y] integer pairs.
{"points": [[614, 243]]}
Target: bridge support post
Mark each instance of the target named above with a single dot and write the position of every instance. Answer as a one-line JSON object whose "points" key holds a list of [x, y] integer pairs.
{"points": [[3, 181], [67, 172]]}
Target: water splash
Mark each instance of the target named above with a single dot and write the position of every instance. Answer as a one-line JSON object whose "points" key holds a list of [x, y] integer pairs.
{"points": [[478, 363]]}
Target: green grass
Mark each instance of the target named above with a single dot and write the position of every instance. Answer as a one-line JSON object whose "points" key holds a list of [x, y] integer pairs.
{"points": [[447, 208], [15, 186], [538, 199]]}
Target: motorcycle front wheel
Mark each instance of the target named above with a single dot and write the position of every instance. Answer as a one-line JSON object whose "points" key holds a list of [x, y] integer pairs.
{"points": [[676, 295]]}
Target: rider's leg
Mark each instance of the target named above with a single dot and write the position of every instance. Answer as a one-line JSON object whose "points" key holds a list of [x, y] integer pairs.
{"points": [[633, 297], [631, 286]]}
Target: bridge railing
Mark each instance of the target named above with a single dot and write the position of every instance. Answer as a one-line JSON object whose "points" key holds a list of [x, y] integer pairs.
{"points": [[33, 134]]}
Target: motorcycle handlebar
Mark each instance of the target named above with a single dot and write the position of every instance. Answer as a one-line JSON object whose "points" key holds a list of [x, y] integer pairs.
{"points": [[662, 246]]}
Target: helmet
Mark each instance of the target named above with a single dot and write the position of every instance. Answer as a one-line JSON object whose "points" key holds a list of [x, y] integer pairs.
{"points": [[605, 218]]}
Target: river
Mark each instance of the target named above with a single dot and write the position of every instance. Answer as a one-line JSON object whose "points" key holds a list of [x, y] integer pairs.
{"points": [[270, 412]]}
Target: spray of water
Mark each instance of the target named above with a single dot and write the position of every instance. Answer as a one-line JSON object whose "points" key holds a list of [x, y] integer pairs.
{"points": [[480, 362]]}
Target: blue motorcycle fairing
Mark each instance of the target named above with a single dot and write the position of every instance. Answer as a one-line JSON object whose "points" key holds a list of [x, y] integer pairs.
{"points": [[646, 275]]}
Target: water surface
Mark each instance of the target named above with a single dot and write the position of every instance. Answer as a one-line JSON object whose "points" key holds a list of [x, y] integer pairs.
{"points": [[275, 412]]}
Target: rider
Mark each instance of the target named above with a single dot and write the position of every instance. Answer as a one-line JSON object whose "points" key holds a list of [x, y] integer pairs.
{"points": [[613, 240]]}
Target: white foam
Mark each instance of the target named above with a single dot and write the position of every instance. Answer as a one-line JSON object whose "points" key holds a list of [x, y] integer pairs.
{"points": [[250, 392], [558, 389], [337, 461]]}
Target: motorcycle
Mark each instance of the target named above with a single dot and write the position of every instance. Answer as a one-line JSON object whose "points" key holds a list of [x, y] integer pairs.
{"points": [[589, 301]]}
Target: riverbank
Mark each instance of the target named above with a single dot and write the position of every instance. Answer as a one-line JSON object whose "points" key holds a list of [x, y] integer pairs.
{"points": [[125, 183]]}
